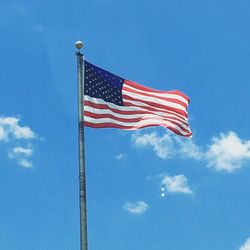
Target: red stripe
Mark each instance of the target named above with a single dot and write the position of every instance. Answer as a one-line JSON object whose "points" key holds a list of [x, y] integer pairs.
{"points": [[158, 97], [178, 111], [144, 88], [99, 116], [147, 110], [112, 125]]}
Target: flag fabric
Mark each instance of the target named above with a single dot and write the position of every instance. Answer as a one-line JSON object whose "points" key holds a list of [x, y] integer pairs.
{"points": [[114, 102]]}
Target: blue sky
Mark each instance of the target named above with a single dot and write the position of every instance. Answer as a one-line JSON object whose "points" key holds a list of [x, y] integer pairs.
{"points": [[148, 189]]}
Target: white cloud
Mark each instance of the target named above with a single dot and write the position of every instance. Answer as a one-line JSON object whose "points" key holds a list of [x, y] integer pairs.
{"points": [[3, 134], [162, 145], [25, 163], [175, 184], [18, 152], [228, 152], [136, 208], [23, 151], [188, 149], [120, 157], [21, 154], [10, 128], [167, 146], [12, 133], [246, 245]]}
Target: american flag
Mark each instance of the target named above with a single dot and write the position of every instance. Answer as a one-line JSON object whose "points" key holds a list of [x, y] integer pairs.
{"points": [[113, 102]]}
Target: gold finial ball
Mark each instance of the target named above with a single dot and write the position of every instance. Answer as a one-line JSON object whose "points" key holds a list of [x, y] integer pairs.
{"points": [[79, 44]]}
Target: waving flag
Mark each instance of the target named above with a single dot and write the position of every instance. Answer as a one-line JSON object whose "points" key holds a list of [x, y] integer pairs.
{"points": [[113, 102]]}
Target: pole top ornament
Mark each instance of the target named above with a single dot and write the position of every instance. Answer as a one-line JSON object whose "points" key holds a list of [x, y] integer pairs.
{"points": [[79, 44]]}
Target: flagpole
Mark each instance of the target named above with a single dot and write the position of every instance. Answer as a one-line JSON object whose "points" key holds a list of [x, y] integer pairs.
{"points": [[82, 175]]}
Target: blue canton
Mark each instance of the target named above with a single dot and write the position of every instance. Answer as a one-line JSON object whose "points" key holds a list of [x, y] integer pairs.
{"points": [[102, 84]]}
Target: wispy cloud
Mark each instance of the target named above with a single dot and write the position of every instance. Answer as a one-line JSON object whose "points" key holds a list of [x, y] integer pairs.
{"points": [[120, 156], [25, 163], [188, 149], [3, 134], [227, 152], [23, 151], [162, 145], [167, 146], [175, 184], [14, 135], [21, 155], [246, 245], [136, 208]]}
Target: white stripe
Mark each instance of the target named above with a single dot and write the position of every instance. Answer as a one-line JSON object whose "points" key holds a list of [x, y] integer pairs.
{"points": [[167, 95], [154, 100], [132, 116], [134, 124], [159, 111], [141, 104]]}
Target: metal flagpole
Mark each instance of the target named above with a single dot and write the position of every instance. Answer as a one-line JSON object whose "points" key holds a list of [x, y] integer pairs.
{"points": [[82, 176]]}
